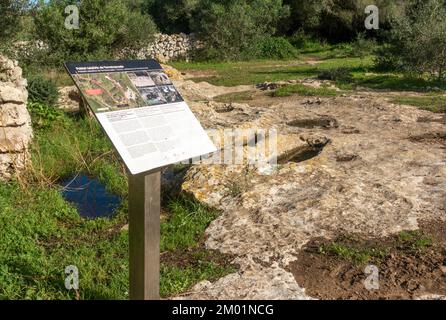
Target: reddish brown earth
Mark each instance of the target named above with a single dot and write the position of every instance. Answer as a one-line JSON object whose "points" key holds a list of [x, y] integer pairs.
{"points": [[410, 264]]}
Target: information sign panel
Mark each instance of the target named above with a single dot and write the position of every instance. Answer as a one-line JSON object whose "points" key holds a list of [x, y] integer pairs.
{"points": [[141, 111]]}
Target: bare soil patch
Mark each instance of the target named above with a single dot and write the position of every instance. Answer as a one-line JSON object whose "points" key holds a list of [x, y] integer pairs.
{"points": [[410, 264], [430, 138], [324, 122]]}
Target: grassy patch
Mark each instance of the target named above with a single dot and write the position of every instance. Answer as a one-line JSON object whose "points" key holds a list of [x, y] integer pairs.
{"points": [[360, 251], [415, 240], [185, 225], [322, 60], [305, 91], [431, 103], [235, 97], [41, 233], [351, 253], [191, 266], [253, 72], [396, 82], [184, 261]]}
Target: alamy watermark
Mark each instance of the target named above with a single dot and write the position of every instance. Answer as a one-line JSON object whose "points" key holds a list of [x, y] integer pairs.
{"points": [[72, 20], [252, 147], [372, 21], [372, 281], [72, 279]]}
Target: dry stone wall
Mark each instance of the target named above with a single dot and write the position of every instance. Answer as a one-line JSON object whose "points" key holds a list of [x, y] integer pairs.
{"points": [[164, 48], [171, 47], [15, 121]]}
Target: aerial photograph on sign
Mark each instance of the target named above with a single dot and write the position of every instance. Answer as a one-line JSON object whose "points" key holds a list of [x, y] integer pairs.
{"points": [[114, 91], [152, 95], [109, 91]]}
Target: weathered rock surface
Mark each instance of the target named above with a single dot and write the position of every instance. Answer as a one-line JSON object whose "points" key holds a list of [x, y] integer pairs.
{"points": [[15, 121], [373, 171], [193, 91], [69, 98]]}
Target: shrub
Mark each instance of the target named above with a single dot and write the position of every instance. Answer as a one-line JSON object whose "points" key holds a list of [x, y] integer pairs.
{"points": [[43, 116], [10, 22], [276, 48], [337, 20], [171, 16], [417, 42], [106, 28], [362, 46], [233, 29], [387, 58], [336, 74], [42, 91], [300, 39]]}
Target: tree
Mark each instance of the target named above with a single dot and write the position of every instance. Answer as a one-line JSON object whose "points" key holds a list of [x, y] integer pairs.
{"points": [[171, 16], [232, 29], [11, 11], [336, 20], [418, 39], [105, 28]]}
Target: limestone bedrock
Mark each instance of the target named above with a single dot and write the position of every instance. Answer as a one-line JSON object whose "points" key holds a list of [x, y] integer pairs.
{"points": [[378, 170]]}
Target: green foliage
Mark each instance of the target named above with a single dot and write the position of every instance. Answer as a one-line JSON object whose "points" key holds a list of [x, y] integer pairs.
{"points": [[10, 22], [172, 16], [105, 29], [362, 46], [43, 116], [417, 42], [232, 29], [42, 90], [300, 39], [415, 240], [359, 256], [387, 58], [305, 14], [337, 20], [276, 48]]}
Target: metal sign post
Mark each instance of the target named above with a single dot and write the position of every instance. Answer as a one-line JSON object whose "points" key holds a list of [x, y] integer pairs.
{"points": [[144, 235]]}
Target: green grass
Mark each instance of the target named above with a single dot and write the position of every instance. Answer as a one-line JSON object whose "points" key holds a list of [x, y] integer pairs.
{"points": [[305, 91], [186, 224], [258, 71], [235, 97], [359, 251], [395, 82], [415, 240], [41, 233], [176, 280], [357, 255], [327, 58], [431, 103]]}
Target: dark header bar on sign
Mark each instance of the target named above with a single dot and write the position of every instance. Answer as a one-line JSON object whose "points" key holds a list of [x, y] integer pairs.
{"points": [[111, 66]]}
